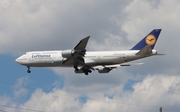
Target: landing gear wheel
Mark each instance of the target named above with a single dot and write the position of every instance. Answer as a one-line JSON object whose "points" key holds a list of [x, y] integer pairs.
{"points": [[86, 73], [86, 70], [89, 71], [76, 68], [28, 71]]}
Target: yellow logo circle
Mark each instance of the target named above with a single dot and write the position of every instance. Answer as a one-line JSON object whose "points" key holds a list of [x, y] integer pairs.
{"points": [[150, 40]]}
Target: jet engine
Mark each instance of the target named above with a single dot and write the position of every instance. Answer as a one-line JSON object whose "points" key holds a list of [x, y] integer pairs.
{"points": [[68, 53], [59, 60]]}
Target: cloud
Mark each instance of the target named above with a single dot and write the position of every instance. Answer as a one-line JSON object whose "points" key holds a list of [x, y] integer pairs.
{"points": [[142, 17], [44, 25], [55, 101], [19, 88], [147, 95], [81, 83]]}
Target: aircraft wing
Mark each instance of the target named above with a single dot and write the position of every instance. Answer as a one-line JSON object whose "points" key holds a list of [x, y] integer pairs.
{"points": [[77, 53], [108, 68], [80, 48], [82, 44]]}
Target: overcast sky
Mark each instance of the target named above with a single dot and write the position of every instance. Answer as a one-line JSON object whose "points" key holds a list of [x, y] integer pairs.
{"points": [[28, 25]]}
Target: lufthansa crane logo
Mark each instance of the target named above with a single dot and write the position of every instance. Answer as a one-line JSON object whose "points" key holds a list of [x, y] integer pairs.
{"points": [[150, 40]]}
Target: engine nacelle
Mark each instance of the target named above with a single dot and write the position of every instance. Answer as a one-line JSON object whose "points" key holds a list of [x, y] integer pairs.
{"points": [[58, 60], [104, 70], [67, 53]]}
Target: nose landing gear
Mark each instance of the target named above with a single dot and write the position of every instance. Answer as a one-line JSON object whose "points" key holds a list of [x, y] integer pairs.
{"points": [[28, 71]]}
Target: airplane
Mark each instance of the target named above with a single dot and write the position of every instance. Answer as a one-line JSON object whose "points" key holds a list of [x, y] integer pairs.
{"points": [[84, 61]]}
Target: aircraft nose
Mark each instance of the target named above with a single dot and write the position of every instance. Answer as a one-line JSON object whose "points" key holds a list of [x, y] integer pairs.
{"points": [[21, 60], [17, 60]]}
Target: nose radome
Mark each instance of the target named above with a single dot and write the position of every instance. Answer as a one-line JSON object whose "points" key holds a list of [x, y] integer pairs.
{"points": [[17, 60]]}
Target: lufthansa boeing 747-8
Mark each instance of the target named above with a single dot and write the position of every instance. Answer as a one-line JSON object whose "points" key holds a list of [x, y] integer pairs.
{"points": [[84, 61]]}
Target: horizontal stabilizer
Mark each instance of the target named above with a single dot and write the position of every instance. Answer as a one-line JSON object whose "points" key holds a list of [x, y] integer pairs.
{"points": [[130, 64], [125, 65], [160, 54]]}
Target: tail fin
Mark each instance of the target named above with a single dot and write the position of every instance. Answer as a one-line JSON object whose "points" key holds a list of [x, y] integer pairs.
{"points": [[150, 39]]}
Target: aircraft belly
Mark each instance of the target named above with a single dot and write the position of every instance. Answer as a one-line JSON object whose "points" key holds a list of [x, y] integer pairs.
{"points": [[49, 64]]}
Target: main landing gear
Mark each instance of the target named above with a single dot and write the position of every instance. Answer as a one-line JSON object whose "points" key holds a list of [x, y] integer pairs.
{"points": [[86, 72], [85, 69], [28, 71]]}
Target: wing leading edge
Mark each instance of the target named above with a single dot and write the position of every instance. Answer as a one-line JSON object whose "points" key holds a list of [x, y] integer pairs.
{"points": [[82, 44]]}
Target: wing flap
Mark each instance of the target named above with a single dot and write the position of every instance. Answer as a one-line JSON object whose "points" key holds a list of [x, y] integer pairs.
{"points": [[125, 64], [108, 68]]}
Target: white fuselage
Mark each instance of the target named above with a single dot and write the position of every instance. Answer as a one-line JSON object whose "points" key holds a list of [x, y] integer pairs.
{"points": [[93, 58]]}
